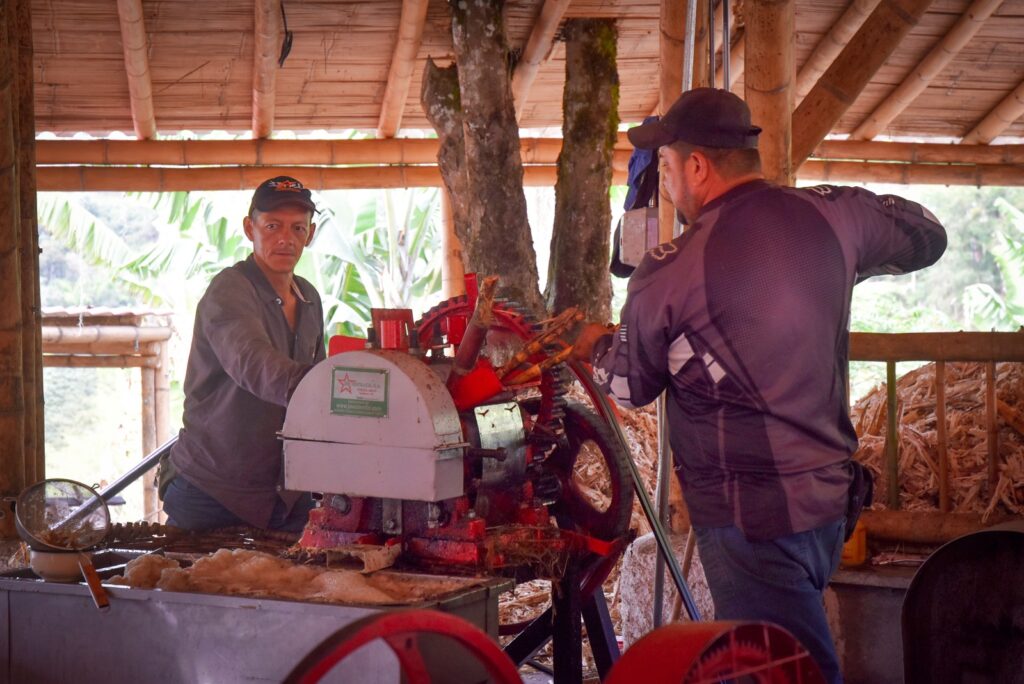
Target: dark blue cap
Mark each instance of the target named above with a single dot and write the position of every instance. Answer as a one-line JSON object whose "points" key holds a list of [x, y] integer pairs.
{"points": [[708, 117]]}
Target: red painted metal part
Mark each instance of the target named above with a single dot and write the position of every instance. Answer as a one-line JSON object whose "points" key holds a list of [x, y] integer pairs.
{"points": [[399, 630], [707, 652]]}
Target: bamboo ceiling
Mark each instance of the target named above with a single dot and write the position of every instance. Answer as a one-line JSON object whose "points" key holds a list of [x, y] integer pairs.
{"points": [[201, 64]]}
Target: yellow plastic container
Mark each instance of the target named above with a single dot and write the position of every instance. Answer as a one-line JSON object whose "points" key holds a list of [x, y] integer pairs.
{"points": [[855, 550]]}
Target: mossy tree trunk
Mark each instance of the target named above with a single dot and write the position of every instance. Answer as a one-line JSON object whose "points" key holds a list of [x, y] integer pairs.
{"points": [[12, 400], [494, 229], [580, 241]]}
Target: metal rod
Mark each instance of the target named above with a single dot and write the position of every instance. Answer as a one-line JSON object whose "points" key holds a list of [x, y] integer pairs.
{"points": [[603, 407], [711, 42], [726, 84], [688, 48], [661, 495]]}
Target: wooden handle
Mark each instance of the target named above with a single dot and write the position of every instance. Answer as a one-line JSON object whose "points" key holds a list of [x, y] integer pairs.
{"points": [[99, 594]]}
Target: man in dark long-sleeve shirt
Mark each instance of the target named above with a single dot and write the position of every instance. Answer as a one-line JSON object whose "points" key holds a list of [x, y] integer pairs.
{"points": [[743, 320], [258, 330]]}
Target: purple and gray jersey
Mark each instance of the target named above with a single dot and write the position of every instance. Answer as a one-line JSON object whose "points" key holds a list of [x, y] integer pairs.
{"points": [[743, 320]]}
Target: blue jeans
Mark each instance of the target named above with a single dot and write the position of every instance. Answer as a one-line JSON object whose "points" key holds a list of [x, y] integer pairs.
{"points": [[780, 581], [190, 508]]}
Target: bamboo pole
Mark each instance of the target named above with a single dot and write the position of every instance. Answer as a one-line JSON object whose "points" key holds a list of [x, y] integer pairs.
{"points": [[12, 400], [403, 61], [768, 86], [956, 346], [149, 441], [940, 434], [925, 527], [831, 44], [453, 281], [919, 152], [136, 66], [999, 119], [99, 361], [670, 86], [58, 178], [104, 333], [274, 152], [931, 66], [843, 82], [118, 348], [267, 43], [32, 364], [701, 47], [978, 175], [538, 48]]}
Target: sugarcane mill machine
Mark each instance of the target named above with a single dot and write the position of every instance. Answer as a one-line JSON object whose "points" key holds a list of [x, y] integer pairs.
{"points": [[450, 442]]}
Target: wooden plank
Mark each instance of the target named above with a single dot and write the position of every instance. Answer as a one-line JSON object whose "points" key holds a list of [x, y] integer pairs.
{"points": [[954, 346], [925, 527], [941, 437], [992, 425], [892, 439]]}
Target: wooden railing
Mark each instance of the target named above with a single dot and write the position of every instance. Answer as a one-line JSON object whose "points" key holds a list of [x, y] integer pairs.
{"points": [[977, 347]]}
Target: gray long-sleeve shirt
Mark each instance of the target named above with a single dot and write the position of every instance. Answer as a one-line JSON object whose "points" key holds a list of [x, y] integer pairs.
{"points": [[242, 368], [744, 320]]}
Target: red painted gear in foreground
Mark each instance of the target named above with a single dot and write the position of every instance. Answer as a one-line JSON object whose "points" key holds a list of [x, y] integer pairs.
{"points": [[399, 630], [711, 652]]}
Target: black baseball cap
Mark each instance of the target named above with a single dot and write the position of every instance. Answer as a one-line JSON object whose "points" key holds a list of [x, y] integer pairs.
{"points": [[709, 117], [278, 192]]}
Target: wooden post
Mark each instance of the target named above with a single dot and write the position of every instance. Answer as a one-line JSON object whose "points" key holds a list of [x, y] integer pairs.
{"points": [[768, 85], [892, 436], [940, 434], [135, 43], [162, 410], [991, 422], [845, 79], [265, 48], [32, 362], [670, 79], [12, 400], [452, 272], [149, 442]]}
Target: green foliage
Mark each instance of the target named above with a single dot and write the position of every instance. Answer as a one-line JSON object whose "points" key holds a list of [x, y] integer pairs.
{"points": [[983, 304]]}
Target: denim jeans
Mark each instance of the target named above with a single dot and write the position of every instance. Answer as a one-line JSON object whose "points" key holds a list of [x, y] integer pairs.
{"points": [[190, 508], [780, 581]]}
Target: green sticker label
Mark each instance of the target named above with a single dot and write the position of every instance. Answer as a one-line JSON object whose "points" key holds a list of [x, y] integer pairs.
{"points": [[359, 392]]}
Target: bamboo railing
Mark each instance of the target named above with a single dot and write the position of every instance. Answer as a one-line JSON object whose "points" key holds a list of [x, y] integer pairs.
{"points": [[940, 348]]}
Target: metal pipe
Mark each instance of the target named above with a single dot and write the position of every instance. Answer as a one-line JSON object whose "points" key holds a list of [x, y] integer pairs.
{"points": [[601, 402], [725, 46], [711, 42], [661, 495]]}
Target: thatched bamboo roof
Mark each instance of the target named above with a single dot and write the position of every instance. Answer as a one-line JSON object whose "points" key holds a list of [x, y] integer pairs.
{"points": [[202, 64]]}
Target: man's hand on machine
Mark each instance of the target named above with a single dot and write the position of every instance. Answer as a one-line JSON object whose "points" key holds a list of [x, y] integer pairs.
{"points": [[587, 334]]}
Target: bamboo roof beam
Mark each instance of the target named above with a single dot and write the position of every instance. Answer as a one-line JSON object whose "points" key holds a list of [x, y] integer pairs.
{"points": [[104, 361], [403, 61], [931, 66], [829, 47], [538, 48], [976, 175], [768, 86], [737, 61], [840, 85], [136, 66], [670, 85], [999, 119], [920, 152], [272, 152], [264, 67], [151, 179], [103, 333]]}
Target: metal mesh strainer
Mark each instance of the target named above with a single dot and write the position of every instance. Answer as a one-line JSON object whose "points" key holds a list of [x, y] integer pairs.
{"points": [[61, 515]]}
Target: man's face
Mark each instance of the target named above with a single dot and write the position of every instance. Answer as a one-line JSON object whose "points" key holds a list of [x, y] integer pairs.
{"points": [[678, 179], [279, 236]]}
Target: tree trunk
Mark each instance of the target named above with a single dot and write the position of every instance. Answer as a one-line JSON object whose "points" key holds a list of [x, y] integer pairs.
{"points": [[32, 358], [499, 241], [12, 406], [578, 269], [440, 99]]}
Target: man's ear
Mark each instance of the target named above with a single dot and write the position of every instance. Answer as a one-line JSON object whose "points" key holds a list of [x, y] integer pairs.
{"points": [[309, 238], [247, 227], [701, 167]]}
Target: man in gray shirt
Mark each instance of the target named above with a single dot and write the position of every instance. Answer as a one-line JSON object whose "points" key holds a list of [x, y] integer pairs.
{"points": [[259, 328]]}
